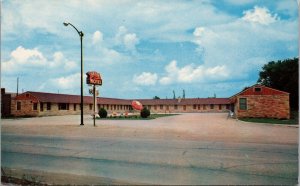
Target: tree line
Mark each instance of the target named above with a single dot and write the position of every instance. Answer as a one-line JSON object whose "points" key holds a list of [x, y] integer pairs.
{"points": [[282, 75]]}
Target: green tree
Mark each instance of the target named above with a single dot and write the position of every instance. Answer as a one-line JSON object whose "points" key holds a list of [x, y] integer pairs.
{"points": [[102, 113], [282, 75], [145, 112], [156, 97]]}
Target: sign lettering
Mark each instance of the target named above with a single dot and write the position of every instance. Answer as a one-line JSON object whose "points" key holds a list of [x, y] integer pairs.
{"points": [[93, 78]]}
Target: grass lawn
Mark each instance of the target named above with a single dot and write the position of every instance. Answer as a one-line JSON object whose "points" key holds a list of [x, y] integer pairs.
{"points": [[293, 121], [136, 117]]}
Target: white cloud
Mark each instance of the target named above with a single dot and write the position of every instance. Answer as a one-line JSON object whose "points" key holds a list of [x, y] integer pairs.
{"points": [[201, 35], [146, 78], [130, 40], [191, 73], [260, 15], [22, 59], [111, 56], [237, 43], [122, 30], [288, 7], [97, 37], [66, 82]]}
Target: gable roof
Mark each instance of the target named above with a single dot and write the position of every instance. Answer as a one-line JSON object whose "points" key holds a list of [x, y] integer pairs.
{"points": [[264, 91]]}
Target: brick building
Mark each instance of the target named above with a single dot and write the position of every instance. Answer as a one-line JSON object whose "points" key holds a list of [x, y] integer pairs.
{"points": [[256, 101], [261, 102], [6, 99], [47, 104]]}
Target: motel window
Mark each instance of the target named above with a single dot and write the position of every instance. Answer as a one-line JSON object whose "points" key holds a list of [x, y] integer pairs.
{"points": [[204, 107], [118, 107], [227, 107], [41, 107], [257, 89], [243, 103], [74, 107], [18, 105], [194, 106], [175, 107], [184, 107], [199, 107], [161, 107], [115, 106], [121, 107], [167, 107], [35, 106], [107, 107], [48, 106], [149, 107], [212, 106], [63, 106], [220, 107], [155, 107]]}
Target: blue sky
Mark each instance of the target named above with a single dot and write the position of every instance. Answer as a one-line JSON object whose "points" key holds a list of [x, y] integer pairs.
{"points": [[145, 48]]}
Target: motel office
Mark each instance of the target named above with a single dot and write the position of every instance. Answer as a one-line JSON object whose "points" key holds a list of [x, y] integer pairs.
{"points": [[255, 101]]}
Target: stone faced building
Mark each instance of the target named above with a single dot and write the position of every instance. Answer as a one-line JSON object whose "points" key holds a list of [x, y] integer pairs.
{"points": [[187, 105], [260, 101], [256, 101], [47, 104]]}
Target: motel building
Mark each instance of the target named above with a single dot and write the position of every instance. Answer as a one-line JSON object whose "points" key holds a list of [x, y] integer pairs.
{"points": [[255, 101]]}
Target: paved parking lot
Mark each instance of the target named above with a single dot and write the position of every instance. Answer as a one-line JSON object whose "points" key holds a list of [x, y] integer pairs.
{"points": [[209, 126], [181, 149]]}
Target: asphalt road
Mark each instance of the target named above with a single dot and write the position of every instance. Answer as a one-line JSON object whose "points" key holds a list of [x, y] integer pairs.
{"points": [[148, 160]]}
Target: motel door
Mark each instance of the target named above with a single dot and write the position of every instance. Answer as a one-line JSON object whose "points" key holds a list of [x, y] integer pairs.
{"points": [[232, 107]]}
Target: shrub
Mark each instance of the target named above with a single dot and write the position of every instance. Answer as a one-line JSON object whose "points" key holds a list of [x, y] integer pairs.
{"points": [[102, 113], [145, 113]]}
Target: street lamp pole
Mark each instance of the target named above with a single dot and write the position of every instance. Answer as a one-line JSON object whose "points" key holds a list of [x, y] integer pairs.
{"points": [[81, 82]]}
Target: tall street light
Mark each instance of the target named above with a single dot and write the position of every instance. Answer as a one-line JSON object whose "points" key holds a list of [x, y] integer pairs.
{"points": [[81, 95]]}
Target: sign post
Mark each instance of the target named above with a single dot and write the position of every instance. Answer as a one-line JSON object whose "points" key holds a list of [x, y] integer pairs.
{"points": [[94, 78]]}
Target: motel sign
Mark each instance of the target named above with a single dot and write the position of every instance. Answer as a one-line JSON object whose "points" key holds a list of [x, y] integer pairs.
{"points": [[93, 78]]}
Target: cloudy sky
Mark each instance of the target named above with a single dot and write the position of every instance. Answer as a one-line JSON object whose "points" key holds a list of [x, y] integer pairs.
{"points": [[145, 48]]}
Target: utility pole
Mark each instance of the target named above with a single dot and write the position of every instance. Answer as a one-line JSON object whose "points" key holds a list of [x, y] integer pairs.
{"points": [[17, 86], [174, 97]]}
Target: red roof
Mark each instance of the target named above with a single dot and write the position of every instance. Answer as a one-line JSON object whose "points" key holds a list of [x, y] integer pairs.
{"points": [[260, 90], [67, 98], [186, 101]]}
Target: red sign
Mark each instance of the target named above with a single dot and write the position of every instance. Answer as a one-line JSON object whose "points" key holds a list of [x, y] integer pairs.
{"points": [[136, 105], [93, 78]]}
